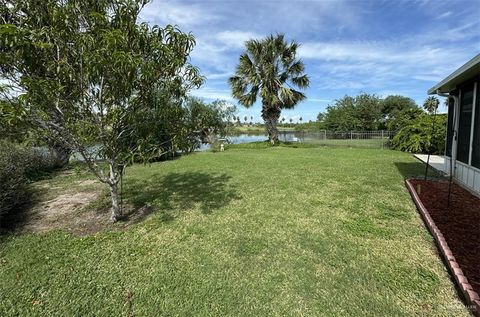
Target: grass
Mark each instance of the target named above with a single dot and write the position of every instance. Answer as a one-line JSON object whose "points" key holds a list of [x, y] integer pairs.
{"points": [[257, 231], [366, 143], [355, 143]]}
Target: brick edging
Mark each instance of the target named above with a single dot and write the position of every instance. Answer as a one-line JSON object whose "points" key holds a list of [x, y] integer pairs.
{"points": [[471, 296]]}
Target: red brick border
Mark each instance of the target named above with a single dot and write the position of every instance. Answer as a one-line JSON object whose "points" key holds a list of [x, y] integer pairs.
{"points": [[471, 296]]}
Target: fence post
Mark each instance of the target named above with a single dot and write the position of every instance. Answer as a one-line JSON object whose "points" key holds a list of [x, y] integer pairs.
{"points": [[383, 141]]}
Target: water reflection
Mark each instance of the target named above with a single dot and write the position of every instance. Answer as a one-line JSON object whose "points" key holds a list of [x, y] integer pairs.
{"points": [[289, 136]]}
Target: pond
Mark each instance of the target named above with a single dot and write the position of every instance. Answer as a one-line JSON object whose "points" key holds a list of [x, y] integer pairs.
{"points": [[363, 139], [284, 136]]}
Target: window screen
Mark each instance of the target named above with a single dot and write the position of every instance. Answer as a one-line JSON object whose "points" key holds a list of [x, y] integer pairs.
{"points": [[464, 128], [450, 127], [476, 131]]}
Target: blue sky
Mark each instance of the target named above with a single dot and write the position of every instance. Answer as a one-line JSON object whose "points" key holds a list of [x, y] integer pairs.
{"points": [[348, 46]]}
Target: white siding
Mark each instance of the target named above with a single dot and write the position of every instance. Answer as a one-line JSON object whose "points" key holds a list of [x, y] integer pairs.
{"points": [[470, 177], [476, 183], [465, 175]]}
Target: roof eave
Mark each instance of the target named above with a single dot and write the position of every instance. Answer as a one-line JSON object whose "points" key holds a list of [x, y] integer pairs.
{"points": [[468, 70]]}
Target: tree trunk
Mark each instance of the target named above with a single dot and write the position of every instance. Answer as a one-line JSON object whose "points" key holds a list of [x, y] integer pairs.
{"points": [[211, 137], [270, 116], [113, 183], [62, 156], [273, 133], [61, 151], [116, 210]]}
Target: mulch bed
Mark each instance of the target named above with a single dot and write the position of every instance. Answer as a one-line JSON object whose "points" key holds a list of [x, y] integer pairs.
{"points": [[459, 222]]}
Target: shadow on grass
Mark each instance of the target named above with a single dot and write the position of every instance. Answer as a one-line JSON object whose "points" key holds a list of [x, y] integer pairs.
{"points": [[415, 170], [16, 218], [176, 192]]}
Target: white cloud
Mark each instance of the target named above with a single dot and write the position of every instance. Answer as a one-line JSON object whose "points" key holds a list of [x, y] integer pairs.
{"points": [[359, 65], [171, 12], [318, 99], [235, 39], [444, 15], [220, 51], [218, 75], [212, 94]]}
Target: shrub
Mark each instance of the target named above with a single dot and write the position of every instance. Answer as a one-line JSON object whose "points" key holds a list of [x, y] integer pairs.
{"points": [[19, 165], [38, 161], [12, 176], [417, 137]]}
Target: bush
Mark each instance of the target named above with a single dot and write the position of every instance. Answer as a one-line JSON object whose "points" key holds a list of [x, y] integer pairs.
{"points": [[416, 137], [12, 176], [19, 165], [39, 161]]}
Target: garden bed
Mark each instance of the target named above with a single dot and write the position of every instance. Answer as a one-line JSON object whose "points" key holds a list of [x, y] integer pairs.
{"points": [[455, 227]]}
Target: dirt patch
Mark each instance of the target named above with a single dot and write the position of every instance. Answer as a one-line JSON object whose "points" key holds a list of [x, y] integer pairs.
{"points": [[65, 211], [88, 182], [458, 221], [71, 212]]}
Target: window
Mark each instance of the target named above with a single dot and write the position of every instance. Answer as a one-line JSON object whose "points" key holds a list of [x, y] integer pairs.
{"points": [[465, 124]]}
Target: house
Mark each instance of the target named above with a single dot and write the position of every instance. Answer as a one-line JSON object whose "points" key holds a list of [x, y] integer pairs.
{"points": [[462, 150]]}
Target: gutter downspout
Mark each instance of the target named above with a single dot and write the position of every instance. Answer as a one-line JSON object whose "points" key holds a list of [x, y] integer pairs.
{"points": [[453, 158]]}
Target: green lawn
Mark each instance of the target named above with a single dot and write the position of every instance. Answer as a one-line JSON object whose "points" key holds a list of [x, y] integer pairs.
{"points": [[246, 232], [365, 143]]}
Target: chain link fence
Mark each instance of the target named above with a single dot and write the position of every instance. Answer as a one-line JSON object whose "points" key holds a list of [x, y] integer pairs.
{"points": [[361, 139]]}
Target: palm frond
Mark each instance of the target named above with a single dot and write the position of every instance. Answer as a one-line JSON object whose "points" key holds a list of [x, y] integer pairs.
{"points": [[290, 97], [247, 100], [301, 81], [296, 68], [239, 86]]}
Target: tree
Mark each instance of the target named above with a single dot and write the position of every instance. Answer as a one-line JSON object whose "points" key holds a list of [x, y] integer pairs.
{"points": [[202, 122], [431, 104], [300, 119], [245, 118], [394, 103], [403, 118], [291, 120], [367, 112], [395, 109], [14, 125], [362, 112], [419, 137], [269, 68], [89, 74]]}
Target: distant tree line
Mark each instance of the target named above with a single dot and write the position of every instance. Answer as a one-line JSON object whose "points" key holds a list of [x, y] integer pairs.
{"points": [[367, 112], [419, 129]]}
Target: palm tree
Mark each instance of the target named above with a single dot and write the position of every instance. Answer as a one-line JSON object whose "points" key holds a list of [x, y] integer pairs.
{"points": [[431, 104], [269, 69]]}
